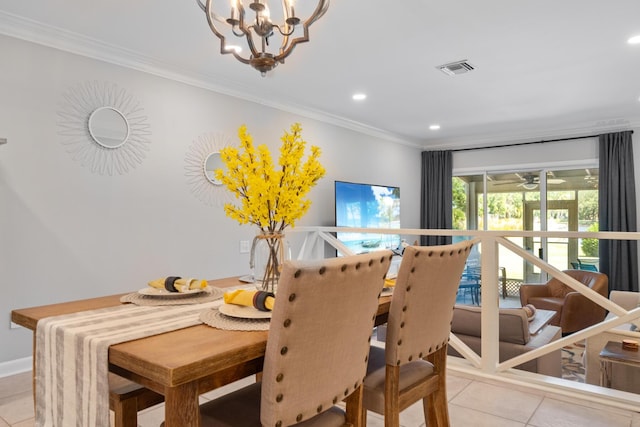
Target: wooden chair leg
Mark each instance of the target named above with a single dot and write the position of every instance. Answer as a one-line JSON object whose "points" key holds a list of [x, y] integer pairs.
{"points": [[363, 417], [436, 406], [355, 407], [392, 397]]}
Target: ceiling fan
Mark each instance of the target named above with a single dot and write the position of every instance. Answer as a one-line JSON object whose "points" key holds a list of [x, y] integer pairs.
{"points": [[530, 181]]}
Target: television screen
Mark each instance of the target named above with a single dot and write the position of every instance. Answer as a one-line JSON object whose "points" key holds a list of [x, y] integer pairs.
{"points": [[367, 206]]}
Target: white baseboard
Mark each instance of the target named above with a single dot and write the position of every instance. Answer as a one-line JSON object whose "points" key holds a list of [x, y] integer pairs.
{"points": [[18, 366]]}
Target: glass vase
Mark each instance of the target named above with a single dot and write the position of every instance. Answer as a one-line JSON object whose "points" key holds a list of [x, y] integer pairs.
{"points": [[268, 252]]}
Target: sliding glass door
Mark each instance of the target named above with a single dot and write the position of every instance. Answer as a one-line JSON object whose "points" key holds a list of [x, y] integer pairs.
{"points": [[536, 200]]}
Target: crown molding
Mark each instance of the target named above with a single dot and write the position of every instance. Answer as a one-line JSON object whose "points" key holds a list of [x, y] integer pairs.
{"points": [[36, 32]]}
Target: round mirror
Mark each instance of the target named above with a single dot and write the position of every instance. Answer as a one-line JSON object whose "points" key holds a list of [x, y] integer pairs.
{"points": [[211, 163], [108, 127]]}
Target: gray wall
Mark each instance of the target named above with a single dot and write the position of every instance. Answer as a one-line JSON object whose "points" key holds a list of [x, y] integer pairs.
{"points": [[67, 233]]}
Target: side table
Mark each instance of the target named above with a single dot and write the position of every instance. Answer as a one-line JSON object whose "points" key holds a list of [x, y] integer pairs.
{"points": [[614, 353], [541, 319]]}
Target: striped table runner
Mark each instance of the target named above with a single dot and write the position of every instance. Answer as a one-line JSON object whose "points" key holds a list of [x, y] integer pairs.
{"points": [[72, 386]]}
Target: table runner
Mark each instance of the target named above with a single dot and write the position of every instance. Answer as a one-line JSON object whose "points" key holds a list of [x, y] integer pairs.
{"points": [[72, 386]]}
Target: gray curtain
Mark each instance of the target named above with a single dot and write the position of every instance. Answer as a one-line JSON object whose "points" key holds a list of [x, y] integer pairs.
{"points": [[436, 196], [617, 200]]}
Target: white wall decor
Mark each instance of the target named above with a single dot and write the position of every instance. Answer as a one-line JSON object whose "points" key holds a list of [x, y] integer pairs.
{"points": [[202, 159], [103, 127]]}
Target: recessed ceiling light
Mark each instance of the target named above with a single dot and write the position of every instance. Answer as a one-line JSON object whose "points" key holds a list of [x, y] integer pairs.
{"points": [[434, 127], [634, 40], [359, 96]]}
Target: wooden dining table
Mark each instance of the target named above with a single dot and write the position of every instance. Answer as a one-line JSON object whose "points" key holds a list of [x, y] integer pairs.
{"points": [[182, 364]]}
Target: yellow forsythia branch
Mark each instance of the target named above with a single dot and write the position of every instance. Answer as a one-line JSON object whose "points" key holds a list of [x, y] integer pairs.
{"points": [[268, 197]]}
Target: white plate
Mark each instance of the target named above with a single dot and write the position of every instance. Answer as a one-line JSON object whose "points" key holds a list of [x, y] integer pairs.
{"points": [[243, 312], [155, 292]]}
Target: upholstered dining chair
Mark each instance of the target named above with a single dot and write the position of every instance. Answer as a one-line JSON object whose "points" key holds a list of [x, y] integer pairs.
{"points": [[317, 348], [412, 366]]}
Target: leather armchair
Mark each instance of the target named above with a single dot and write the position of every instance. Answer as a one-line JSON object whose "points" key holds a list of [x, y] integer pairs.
{"points": [[573, 310]]}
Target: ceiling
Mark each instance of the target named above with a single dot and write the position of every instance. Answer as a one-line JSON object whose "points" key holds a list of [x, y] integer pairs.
{"points": [[544, 69]]}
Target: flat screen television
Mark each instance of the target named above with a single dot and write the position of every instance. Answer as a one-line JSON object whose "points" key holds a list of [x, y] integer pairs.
{"points": [[367, 206]]}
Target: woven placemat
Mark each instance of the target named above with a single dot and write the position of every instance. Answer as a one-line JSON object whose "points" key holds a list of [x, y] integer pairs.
{"points": [[138, 299], [214, 318]]}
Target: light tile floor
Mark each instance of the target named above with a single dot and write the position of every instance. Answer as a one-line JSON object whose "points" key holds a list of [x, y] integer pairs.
{"points": [[472, 403]]}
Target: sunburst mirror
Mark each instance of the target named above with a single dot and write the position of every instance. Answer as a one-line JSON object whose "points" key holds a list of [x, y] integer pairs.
{"points": [[201, 162], [104, 127]]}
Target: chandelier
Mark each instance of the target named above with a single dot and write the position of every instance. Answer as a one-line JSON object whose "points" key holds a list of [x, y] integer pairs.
{"points": [[229, 20]]}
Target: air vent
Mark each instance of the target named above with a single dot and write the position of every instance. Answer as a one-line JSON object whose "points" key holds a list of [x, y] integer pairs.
{"points": [[458, 67]]}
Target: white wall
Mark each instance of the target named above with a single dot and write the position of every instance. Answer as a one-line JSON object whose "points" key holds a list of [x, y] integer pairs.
{"points": [[67, 233]]}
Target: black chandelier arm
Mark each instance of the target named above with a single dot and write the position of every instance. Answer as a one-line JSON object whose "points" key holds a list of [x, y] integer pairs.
{"points": [[242, 32], [285, 33]]}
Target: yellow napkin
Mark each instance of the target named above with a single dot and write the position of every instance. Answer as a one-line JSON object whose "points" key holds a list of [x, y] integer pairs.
{"points": [[250, 299], [389, 283], [181, 285]]}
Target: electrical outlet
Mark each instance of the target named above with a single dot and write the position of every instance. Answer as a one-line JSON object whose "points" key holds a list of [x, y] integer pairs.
{"points": [[245, 246]]}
